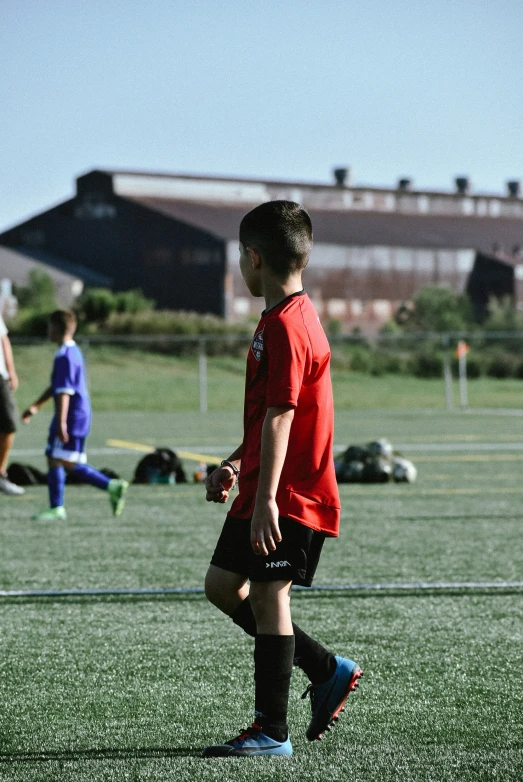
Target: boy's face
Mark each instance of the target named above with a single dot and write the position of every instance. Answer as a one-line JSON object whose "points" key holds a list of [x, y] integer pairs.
{"points": [[250, 268]]}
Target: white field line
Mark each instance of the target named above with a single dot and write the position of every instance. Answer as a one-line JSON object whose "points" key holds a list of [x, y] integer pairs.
{"points": [[421, 586], [487, 447]]}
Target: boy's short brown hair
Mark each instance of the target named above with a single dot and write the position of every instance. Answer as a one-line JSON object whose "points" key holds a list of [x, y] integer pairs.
{"points": [[281, 231], [63, 320]]}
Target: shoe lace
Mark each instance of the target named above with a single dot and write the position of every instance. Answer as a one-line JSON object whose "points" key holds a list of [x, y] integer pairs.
{"points": [[312, 692], [250, 732]]}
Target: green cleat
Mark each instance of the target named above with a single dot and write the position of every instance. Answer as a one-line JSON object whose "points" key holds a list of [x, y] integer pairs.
{"points": [[51, 514], [117, 489]]}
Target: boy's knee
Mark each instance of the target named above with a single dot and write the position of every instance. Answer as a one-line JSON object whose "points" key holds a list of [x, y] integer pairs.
{"points": [[224, 590], [268, 598], [68, 466], [210, 588], [216, 591]]}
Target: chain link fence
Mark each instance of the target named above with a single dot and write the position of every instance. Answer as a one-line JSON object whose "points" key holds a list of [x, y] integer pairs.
{"points": [[450, 357]]}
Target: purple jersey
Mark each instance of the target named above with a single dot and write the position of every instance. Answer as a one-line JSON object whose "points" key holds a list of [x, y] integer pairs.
{"points": [[68, 377]]}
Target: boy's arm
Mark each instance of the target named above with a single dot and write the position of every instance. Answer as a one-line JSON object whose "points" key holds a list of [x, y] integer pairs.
{"points": [[33, 409], [9, 362], [62, 408], [265, 528], [220, 482]]}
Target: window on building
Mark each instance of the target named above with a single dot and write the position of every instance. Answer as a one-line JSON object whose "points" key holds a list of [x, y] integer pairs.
{"points": [[199, 256]]}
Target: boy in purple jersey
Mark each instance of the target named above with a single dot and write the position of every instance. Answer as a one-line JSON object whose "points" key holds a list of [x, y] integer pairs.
{"points": [[71, 422]]}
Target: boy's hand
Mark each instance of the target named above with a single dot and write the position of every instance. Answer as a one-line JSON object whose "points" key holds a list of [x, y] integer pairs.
{"points": [[13, 381], [265, 528], [61, 432], [28, 414], [219, 483]]}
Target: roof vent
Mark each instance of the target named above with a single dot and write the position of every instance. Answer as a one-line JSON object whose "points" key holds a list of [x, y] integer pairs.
{"points": [[462, 184], [404, 184], [341, 176], [513, 188]]}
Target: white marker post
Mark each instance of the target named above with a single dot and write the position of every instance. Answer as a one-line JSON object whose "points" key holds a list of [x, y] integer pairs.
{"points": [[461, 353], [447, 374]]}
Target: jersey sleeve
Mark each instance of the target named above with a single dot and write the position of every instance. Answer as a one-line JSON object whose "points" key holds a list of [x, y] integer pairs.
{"points": [[287, 354], [63, 381], [3, 328]]}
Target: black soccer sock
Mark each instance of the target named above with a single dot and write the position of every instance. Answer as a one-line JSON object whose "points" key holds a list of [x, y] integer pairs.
{"points": [[273, 660], [315, 661], [244, 617]]}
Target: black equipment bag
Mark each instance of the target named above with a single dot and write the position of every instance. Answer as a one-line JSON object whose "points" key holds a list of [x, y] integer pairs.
{"points": [[161, 466]]}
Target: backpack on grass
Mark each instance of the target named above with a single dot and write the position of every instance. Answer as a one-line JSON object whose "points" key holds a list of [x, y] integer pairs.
{"points": [[25, 475], [161, 466], [375, 462]]}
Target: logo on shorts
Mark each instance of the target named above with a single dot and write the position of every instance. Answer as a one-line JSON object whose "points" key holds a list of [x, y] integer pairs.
{"points": [[257, 345], [284, 563]]}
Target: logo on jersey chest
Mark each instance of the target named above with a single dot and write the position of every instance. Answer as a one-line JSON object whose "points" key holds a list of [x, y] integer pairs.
{"points": [[257, 345]]}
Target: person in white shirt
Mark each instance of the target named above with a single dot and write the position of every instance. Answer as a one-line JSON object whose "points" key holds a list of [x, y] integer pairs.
{"points": [[8, 412]]}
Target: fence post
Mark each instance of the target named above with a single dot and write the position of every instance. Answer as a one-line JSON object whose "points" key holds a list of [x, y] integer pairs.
{"points": [[202, 366], [447, 372], [462, 359]]}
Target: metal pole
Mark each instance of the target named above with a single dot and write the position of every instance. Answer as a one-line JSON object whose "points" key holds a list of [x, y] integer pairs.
{"points": [[447, 374], [202, 364], [462, 363]]}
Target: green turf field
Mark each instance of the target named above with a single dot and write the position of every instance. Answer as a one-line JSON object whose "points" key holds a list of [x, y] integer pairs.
{"points": [[132, 688], [126, 380]]}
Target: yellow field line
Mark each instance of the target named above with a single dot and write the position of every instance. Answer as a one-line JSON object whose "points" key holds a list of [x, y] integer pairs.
{"points": [[195, 457], [129, 446]]}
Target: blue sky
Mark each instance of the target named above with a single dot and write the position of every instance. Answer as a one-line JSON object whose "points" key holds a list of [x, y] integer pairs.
{"points": [[282, 89]]}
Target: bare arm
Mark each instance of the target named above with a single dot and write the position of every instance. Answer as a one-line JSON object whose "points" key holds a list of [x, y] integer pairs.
{"points": [[34, 408], [10, 362], [220, 482], [265, 528]]}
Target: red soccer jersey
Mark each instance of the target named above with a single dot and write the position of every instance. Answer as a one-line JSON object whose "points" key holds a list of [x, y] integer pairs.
{"points": [[289, 364]]}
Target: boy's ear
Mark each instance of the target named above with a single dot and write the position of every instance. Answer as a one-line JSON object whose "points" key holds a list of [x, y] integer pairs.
{"points": [[255, 257]]}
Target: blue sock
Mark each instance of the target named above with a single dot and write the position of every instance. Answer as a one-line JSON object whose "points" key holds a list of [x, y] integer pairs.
{"points": [[88, 474], [56, 485]]}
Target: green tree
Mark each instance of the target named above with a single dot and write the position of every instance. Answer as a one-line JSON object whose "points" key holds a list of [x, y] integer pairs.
{"points": [[39, 294], [438, 310]]}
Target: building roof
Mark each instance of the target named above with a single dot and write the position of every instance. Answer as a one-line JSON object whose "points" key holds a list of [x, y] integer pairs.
{"points": [[358, 228], [132, 174]]}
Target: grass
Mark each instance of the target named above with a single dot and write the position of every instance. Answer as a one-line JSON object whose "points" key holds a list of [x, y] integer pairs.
{"points": [[131, 689], [127, 380]]}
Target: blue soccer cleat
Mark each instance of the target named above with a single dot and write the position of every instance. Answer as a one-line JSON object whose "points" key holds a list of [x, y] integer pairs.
{"points": [[252, 742], [328, 699]]}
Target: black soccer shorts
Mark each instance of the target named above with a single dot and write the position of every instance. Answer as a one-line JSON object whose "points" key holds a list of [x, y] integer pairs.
{"points": [[295, 559]]}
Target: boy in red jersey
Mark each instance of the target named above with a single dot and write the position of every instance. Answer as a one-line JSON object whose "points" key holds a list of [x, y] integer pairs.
{"points": [[288, 501]]}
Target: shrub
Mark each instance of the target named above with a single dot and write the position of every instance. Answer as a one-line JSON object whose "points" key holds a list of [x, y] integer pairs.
{"points": [[436, 309], [39, 294], [502, 365], [95, 305], [30, 324], [394, 363], [133, 301], [426, 363], [361, 360]]}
